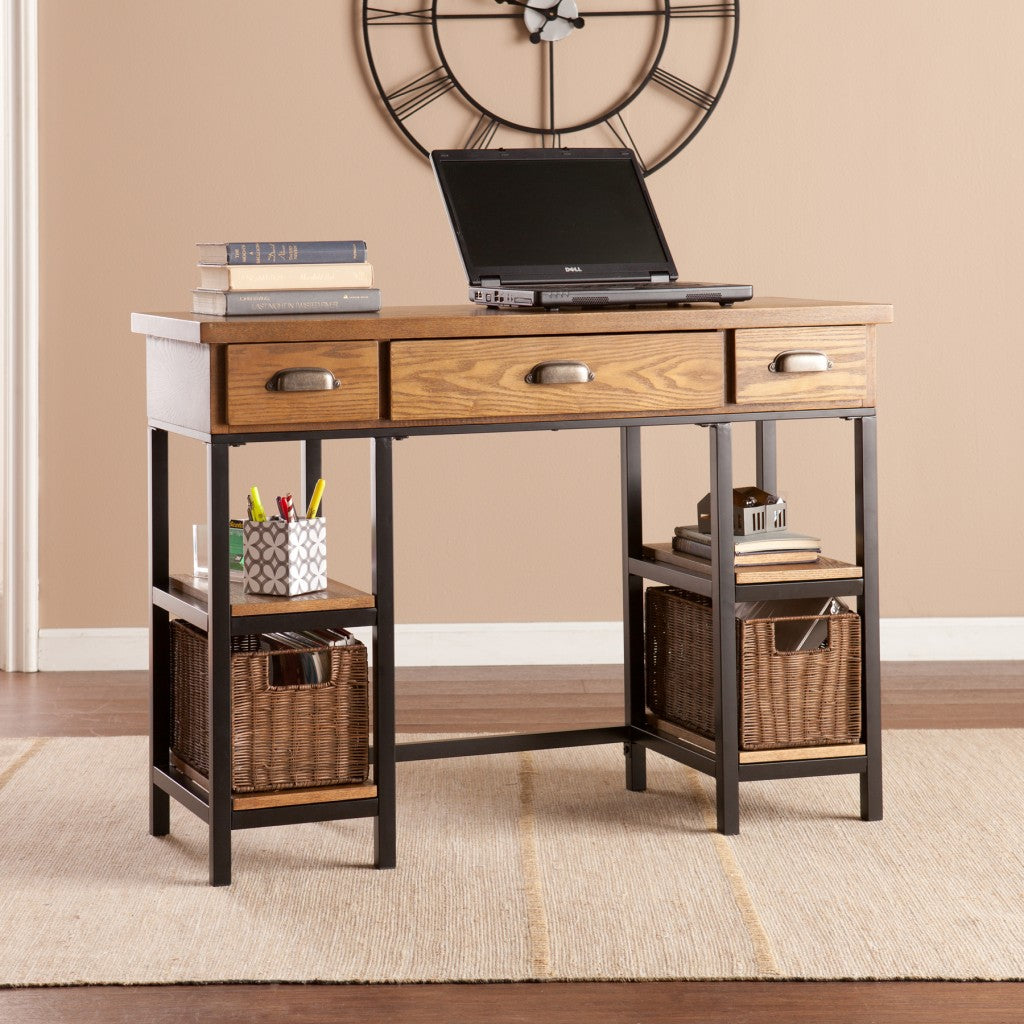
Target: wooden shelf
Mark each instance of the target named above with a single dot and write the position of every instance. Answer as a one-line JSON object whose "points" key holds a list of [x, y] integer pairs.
{"points": [[337, 596], [294, 797], [281, 797], [692, 739], [783, 572]]}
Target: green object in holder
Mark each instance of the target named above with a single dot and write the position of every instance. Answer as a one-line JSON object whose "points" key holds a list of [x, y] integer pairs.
{"points": [[236, 547], [236, 557]]}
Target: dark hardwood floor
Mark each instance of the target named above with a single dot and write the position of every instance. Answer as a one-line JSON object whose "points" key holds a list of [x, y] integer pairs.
{"points": [[916, 695]]}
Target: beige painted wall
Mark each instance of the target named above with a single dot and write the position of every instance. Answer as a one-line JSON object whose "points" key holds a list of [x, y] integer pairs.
{"points": [[862, 151]]}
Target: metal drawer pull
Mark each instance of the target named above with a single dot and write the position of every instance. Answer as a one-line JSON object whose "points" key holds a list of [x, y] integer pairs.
{"points": [[800, 361], [303, 378], [560, 373]]}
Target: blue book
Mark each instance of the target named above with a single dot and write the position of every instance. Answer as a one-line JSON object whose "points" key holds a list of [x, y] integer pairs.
{"points": [[263, 253]]}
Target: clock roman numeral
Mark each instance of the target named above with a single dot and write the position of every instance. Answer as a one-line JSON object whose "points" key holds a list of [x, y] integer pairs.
{"points": [[418, 93], [482, 134], [386, 16], [690, 93], [702, 10]]}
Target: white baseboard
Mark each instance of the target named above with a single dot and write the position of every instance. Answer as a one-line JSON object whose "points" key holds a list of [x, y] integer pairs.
{"points": [[93, 650], [506, 643], [416, 644], [962, 639], [546, 643]]}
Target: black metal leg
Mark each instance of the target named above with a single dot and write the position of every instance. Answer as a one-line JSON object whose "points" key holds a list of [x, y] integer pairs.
{"points": [[312, 470], [159, 633], [219, 663], [385, 854], [866, 456], [633, 605], [767, 466], [723, 599]]}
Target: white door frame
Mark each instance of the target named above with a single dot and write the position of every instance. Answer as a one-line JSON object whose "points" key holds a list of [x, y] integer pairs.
{"points": [[19, 400]]}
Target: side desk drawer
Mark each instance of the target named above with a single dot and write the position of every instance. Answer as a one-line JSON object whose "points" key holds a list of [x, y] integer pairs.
{"points": [[557, 376], [814, 366], [335, 382]]}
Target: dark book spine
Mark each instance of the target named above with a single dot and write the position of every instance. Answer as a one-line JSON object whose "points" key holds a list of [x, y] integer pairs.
{"points": [[263, 253], [348, 300]]}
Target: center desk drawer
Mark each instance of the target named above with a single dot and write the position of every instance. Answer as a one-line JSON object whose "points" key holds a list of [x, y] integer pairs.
{"points": [[631, 373], [312, 382]]}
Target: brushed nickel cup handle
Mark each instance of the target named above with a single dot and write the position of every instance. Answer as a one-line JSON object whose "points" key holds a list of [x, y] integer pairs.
{"points": [[560, 372], [303, 378], [800, 361]]}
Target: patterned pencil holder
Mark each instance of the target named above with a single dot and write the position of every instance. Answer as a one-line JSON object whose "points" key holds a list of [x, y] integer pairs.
{"points": [[285, 558]]}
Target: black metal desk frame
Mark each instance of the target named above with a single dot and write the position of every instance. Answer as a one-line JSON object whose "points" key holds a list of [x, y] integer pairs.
{"points": [[215, 805]]}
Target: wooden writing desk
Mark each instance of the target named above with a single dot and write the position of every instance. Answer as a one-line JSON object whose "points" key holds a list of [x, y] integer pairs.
{"points": [[433, 370]]}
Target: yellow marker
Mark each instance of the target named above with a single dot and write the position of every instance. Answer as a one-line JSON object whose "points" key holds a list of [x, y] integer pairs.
{"points": [[258, 515], [314, 502]]}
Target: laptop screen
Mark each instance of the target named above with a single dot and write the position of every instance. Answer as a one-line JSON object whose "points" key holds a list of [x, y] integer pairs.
{"points": [[551, 216]]}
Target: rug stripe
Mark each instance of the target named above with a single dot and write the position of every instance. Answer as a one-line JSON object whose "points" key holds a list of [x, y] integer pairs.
{"points": [[537, 918], [764, 952], [9, 772]]}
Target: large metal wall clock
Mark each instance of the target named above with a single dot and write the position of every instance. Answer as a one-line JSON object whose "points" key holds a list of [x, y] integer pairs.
{"points": [[462, 74]]}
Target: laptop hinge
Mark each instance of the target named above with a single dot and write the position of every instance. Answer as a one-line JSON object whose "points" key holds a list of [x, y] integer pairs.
{"points": [[490, 282], [660, 279]]}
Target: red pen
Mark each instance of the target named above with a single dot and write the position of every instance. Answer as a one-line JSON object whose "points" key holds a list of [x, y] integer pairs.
{"points": [[282, 507]]}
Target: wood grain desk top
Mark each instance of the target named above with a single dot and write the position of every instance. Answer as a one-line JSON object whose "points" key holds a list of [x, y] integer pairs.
{"points": [[472, 321]]}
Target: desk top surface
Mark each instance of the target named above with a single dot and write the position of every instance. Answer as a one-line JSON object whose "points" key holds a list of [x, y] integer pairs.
{"points": [[471, 321]]}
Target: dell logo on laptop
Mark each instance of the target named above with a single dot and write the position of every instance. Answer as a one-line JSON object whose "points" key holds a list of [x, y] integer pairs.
{"points": [[574, 270]]}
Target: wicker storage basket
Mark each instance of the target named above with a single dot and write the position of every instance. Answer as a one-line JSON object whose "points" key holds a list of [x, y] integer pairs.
{"points": [[282, 737], [786, 699]]}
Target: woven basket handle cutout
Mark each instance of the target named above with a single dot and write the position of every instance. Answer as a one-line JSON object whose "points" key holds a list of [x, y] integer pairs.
{"points": [[261, 674], [776, 653]]}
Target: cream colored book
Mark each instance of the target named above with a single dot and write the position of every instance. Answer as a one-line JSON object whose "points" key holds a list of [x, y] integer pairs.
{"points": [[773, 540], [288, 276], [685, 546]]}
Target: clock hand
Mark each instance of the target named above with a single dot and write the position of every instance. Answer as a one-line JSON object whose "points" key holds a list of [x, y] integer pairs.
{"points": [[551, 13]]}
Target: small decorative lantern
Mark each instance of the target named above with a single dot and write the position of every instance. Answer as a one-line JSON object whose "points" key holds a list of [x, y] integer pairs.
{"points": [[753, 511]]}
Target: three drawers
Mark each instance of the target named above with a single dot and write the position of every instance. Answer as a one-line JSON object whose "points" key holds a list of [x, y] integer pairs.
{"points": [[817, 366], [279, 385], [468, 378], [316, 382]]}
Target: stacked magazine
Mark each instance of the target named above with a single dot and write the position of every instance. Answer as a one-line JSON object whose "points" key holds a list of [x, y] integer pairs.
{"points": [[303, 658]]}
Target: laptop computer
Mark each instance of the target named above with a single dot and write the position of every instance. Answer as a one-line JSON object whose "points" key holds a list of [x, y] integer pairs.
{"points": [[562, 227]]}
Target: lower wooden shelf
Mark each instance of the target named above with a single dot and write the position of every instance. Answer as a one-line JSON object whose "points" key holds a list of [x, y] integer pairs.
{"points": [[677, 732], [337, 597], [293, 797], [283, 797]]}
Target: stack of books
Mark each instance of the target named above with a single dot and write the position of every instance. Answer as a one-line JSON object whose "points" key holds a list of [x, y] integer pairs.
{"points": [[252, 278], [773, 548]]}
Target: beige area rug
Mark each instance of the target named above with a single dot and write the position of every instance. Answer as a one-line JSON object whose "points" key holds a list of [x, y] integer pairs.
{"points": [[524, 866]]}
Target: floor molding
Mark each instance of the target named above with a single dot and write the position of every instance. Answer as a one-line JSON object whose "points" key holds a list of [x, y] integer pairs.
{"points": [[93, 650], [952, 639], [546, 643]]}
